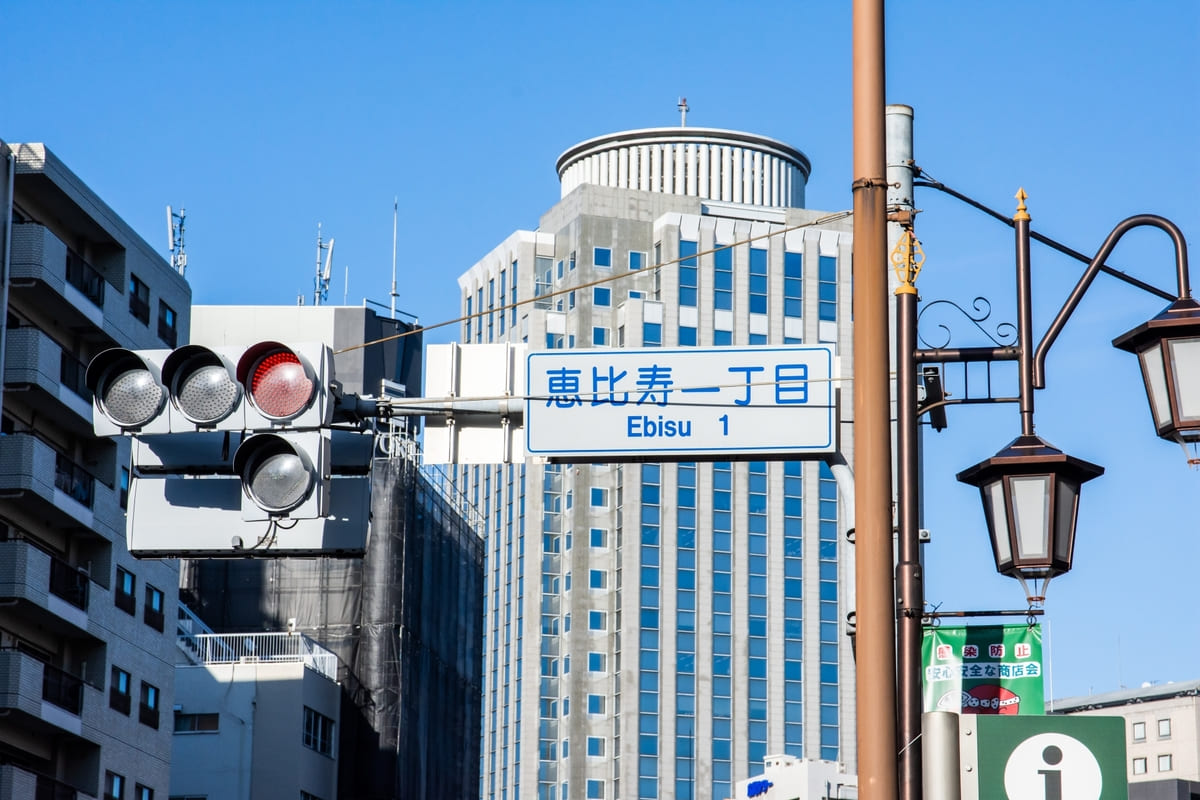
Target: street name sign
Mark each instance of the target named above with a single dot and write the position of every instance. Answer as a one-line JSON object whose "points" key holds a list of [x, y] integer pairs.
{"points": [[1051, 757], [679, 402]]}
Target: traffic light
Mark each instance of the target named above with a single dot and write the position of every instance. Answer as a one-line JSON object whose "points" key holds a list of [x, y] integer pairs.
{"points": [[234, 450], [266, 386]]}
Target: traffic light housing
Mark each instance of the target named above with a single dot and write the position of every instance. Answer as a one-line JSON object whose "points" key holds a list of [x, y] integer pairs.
{"points": [[266, 386], [234, 451]]}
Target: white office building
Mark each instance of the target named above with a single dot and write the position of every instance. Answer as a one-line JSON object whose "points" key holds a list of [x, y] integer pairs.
{"points": [[656, 629]]}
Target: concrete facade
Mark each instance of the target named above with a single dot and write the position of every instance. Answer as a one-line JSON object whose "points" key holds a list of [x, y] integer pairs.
{"points": [[656, 630], [246, 719], [1162, 727], [86, 631]]}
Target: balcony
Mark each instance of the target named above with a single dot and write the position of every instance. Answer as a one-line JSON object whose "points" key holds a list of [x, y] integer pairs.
{"points": [[46, 273], [35, 363], [41, 697], [49, 592], [54, 486]]}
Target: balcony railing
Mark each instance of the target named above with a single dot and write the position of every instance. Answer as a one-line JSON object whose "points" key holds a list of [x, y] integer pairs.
{"points": [[154, 619], [50, 789], [219, 648], [71, 373], [62, 689], [84, 277], [139, 308], [118, 700], [71, 478], [148, 715], [68, 583]]}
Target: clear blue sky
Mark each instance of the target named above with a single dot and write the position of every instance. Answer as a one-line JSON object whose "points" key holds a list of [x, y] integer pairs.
{"points": [[263, 119]]}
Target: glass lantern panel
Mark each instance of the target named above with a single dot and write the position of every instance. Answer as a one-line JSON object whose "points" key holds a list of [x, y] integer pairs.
{"points": [[1185, 365], [997, 516], [1156, 384], [1031, 514], [1066, 500]]}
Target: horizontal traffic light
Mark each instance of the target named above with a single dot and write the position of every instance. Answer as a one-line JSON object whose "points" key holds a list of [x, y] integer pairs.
{"points": [[266, 386]]}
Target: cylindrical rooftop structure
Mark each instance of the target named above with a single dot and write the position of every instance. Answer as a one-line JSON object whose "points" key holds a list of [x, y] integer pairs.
{"points": [[709, 163]]}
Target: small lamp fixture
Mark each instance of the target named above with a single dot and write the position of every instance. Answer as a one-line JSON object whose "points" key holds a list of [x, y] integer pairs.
{"points": [[1168, 347], [1030, 493]]}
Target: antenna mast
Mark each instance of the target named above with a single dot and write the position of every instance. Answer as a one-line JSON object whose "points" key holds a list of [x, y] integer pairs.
{"points": [[395, 206], [178, 257], [683, 109], [321, 281]]}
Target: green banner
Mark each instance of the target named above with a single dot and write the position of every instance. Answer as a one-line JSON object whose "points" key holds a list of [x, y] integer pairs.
{"points": [[983, 669]]}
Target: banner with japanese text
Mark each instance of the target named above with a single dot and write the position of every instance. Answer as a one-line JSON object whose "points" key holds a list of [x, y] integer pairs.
{"points": [[983, 669]]}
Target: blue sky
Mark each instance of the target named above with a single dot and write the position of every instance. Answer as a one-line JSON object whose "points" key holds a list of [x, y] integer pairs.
{"points": [[263, 119]]}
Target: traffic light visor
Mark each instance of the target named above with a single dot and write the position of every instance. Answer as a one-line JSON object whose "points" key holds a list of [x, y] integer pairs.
{"points": [[202, 385], [276, 475], [126, 389], [280, 384]]}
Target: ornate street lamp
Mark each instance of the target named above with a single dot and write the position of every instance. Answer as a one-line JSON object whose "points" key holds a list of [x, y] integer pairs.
{"points": [[1030, 492], [1168, 348]]}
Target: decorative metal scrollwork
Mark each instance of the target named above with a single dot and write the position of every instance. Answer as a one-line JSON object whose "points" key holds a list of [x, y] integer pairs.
{"points": [[1004, 334]]}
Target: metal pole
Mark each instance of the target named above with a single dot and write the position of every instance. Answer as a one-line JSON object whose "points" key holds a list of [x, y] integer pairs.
{"points": [[910, 588], [875, 601], [941, 756], [1024, 314]]}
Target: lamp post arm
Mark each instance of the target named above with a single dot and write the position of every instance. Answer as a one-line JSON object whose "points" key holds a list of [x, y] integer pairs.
{"points": [[1085, 281], [1046, 240]]}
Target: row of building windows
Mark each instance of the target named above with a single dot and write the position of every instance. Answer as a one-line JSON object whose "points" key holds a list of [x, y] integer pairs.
{"points": [[120, 697], [1138, 730], [139, 308], [125, 598], [114, 788], [1165, 764]]}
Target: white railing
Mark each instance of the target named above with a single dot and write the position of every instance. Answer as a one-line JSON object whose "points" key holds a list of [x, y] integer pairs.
{"points": [[273, 648]]}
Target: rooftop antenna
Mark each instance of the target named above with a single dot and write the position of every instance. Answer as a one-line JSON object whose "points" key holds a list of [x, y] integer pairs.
{"points": [[346, 287], [683, 109], [321, 281], [395, 207], [175, 239]]}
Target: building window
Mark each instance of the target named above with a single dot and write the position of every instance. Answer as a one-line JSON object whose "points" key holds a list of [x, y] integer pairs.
{"points": [[123, 596], [1139, 731], [595, 703], [597, 662], [598, 537], [602, 256], [758, 281], [139, 299], [688, 280], [599, 336], [597, 620], [793, 285], [1164, 728], [318, 732], [1139, 766], [125, 487], [118, 691], [687, 336], [601, 296], [827, 288], [651, 333], [153, 612], [166, 324], [197, 723], [595, 746], [637, 259], [599, 497], [595, 790], [148, 708], [467, 321], [1164, 762], [114, 786], [143, 792], [598, 579]]}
